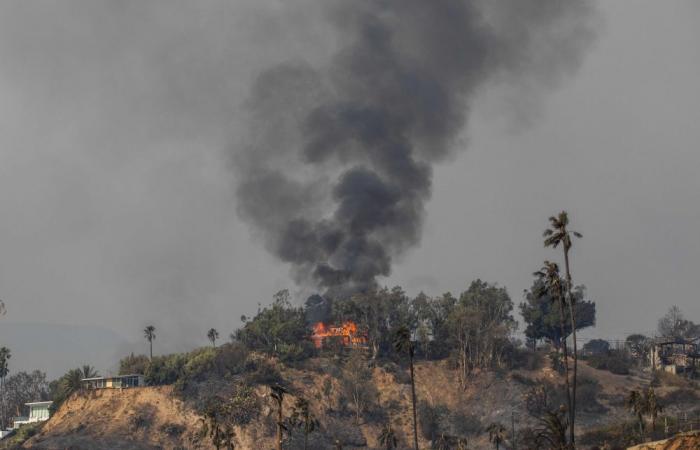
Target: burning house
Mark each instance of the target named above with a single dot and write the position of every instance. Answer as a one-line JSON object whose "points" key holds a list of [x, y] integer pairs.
{"points": [[347, 334]]}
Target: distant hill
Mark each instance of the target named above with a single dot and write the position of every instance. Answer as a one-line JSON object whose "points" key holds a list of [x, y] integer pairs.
{"points": [[56, 348]]}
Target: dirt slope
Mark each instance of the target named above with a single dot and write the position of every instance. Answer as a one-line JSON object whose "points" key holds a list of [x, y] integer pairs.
{"points": [[685, 441], [140, 418]]}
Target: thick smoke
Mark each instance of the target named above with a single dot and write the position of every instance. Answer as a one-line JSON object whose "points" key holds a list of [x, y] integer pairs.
{"points": [[336, 170]]}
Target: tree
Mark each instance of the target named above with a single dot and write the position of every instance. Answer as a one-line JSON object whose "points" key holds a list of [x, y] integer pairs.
{"points": [[638, 346], [559, 233], [653, 407], [356, 383], [673, 324], [637, 406], [87, 371], [497, 434], [387, 437], [150, 334], [480, 327], [303, 419], [213, 335], [404, 345], [133, 364], [597, 347], [542, 314], [5, 355], [23, 387], [277, 393], [279, 330]]}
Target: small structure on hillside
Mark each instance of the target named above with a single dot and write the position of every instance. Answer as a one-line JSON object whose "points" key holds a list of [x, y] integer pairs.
{"points": [[115, 382], [38, 412], [675, 355]]}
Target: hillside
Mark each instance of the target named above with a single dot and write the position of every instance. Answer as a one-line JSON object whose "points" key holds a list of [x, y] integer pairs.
{"points": [[685, 441], [163, 417]]}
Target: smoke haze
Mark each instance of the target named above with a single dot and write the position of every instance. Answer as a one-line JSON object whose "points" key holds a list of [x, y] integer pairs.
{"points": [[339, 165]]}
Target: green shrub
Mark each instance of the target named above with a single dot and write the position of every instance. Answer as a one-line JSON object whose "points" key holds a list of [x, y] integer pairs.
{"points": [[200, 364], [617, 362], [172, 429], [588, 390], [231, 359], [133, 364], [165, 369], [431, 420]]}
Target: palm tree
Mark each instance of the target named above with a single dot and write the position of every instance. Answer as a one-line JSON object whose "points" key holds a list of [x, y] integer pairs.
{"points": [[559, 233], [150, 334], [551, 281], [213, 335], [387, 437], [87, 371], [304, 419], [497, 434], [277, 392], [5, 354], [403, 344]]}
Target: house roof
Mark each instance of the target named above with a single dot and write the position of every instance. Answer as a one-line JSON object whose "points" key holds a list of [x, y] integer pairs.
{"points": [[39, 403], [112, 377], [667, 340]]}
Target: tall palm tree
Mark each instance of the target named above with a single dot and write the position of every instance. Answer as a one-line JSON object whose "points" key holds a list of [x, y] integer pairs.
{"points": [[303, 418], [559, 233], [387, 437], [213, 335], [404, 344], [150, 334], [551, 282], [277, 393], [497, 434], [5, 355]]}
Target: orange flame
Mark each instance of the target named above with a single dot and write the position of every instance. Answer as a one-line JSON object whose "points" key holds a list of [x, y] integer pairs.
{"points": [[347, 332]]}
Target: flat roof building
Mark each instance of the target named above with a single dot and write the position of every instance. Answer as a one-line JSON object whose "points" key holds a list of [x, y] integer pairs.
{"points": [[38, 412], [115, 382]]}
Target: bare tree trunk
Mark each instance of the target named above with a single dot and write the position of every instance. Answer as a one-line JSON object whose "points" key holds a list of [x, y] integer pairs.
{"points": [[573, 335], [279, 425], [565, 351], [413, 401]]}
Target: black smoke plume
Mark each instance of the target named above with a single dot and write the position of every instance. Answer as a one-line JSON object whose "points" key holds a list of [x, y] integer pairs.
{"points": [[336, 170]]}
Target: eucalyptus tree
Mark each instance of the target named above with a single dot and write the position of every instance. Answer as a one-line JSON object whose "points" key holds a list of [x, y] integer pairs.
{"points": [[404, 345], [559, 233], [150, 334]]}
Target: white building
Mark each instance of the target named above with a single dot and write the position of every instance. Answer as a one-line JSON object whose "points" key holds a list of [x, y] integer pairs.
{"points": [[38, 412]]}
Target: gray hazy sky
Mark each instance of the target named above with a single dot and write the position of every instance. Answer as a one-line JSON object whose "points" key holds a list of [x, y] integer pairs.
{"points": [[117, 195]]}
